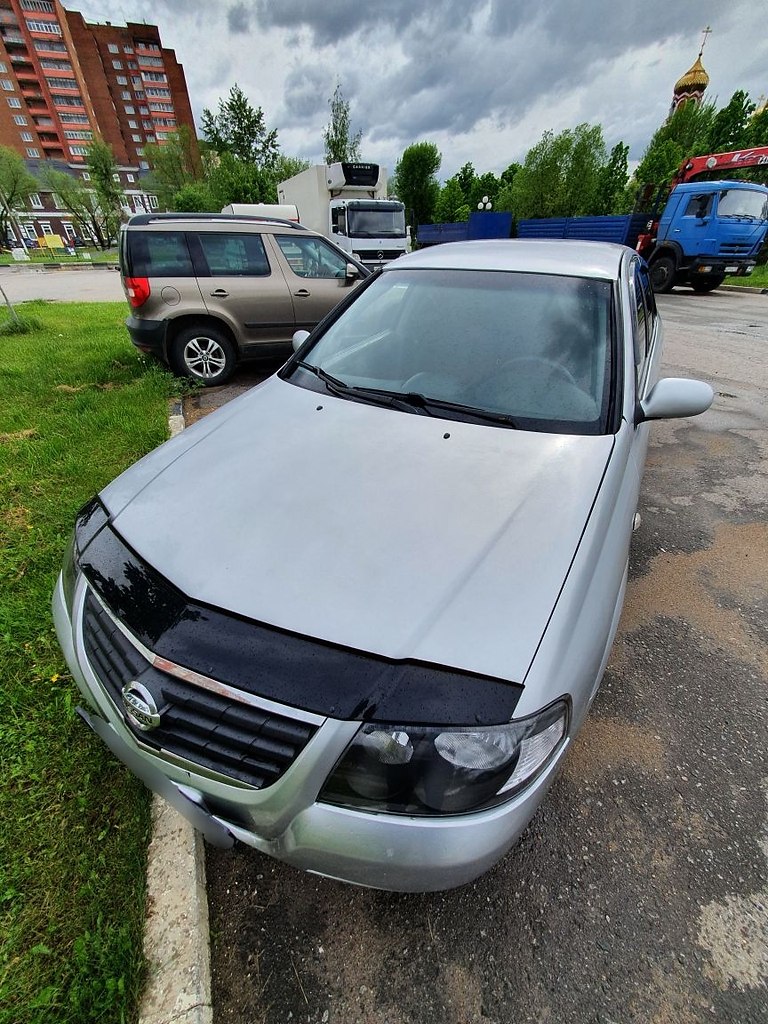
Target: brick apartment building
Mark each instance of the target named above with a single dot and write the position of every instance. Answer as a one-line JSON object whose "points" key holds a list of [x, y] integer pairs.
{"points": [[64, 81]]}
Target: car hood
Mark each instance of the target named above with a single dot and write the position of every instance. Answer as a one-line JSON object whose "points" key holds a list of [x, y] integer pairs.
{"points": [[400, 534]]}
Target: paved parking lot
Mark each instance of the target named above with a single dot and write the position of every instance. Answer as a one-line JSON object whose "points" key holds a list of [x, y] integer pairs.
{"points": [[640, 891]]}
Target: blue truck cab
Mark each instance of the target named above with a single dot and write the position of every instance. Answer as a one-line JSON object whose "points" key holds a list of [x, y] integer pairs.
{"points": [[707, 230]]}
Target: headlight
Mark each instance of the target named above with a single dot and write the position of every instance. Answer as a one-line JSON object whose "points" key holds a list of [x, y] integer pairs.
{"points": [[90, 520], [404, 769]]}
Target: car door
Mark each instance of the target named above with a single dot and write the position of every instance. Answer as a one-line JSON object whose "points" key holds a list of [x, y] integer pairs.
{"points": [[316, 274], [244, 286]]}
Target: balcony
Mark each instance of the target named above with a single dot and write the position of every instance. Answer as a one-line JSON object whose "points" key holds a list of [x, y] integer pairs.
{"points": [[14, 40], [44, 122], [50, 142]]}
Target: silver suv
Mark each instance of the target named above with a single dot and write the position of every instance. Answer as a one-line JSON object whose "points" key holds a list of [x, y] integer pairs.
{"points": [[207, 290]]}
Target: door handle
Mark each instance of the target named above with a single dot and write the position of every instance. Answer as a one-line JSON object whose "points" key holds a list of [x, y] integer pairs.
{"points": [[220, 293], [303, 293]]}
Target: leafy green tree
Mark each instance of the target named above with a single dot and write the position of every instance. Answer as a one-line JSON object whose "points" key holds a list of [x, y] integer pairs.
{"points": [[449, 202], [339, 145], [194, 197], [560, 175], [504, 195], [466, 177], [686, 133], [231, 180], [757, 129], [239, 128], [610, 196], [174, 165], [105, 182], [286, 166], [415, 182], [730, 125], [81, 201], [16, 184]]}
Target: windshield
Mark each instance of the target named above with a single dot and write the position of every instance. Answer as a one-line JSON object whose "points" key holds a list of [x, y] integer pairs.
{"points": [[742, 202], [376, 221], [531, 349]]}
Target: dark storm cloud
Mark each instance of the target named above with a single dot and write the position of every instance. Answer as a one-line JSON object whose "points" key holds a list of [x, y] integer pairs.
{"points": [[332, 21], [239, 19], [306, 92]]}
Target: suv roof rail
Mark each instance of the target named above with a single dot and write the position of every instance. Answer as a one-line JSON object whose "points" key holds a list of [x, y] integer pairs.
{"points": [[227, 218]]}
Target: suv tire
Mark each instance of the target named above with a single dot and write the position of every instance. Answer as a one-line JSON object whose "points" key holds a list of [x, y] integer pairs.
{"points": [[203, 353]]}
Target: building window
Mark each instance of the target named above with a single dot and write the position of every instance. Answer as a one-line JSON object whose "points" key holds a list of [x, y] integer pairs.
{"points": [[143, 111], [122, 80], [130, 177], [153, 76], [117, 65], [57, 201], [69, 230], [130, 110], [136, 138], [27, 137], [52, 45], [33, 154], [112, 48], [28, 230], [78, 150], [15, 102], [68, 118], [35, 202], [51, 64], [136, 82], [153, 204], [125, 94], [116, 177], [140, 95], [49, 28], [61, 83], [147, 126], [143, 165], [127, 49], [152, 62], [160, 93], [3, 69], [46, 228], [133, 124], [86, 176], [19, 119], [151, 138], [147, 46], [132, 65], [68, 101], [166, 108], [85, 136], [38, 5], [6, 84]]}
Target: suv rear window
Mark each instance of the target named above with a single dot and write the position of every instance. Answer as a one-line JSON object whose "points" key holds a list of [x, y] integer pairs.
{"points": [[157, 254]]}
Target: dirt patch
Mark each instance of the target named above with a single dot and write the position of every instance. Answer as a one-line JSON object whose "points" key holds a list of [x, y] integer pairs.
{"points": [[19, 435], [611, 744], [17, 517]]}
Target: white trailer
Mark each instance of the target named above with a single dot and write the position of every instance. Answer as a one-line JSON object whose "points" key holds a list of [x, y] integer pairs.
{"points": [[347, 202]]}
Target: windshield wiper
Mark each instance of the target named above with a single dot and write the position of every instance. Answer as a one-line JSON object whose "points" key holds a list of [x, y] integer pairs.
{"points": [[334, 385], [409, 400], [416, 399]]}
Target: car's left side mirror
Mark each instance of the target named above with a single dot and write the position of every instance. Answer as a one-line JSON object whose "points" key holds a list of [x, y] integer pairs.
{"points": [[298, 339], [673, 397], [352, 272]]}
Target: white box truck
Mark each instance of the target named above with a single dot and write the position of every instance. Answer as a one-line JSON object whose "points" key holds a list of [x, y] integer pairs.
{"points": [[347, 202]]}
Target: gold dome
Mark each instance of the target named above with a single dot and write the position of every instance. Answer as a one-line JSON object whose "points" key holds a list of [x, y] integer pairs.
{"points": [[695, 78]]}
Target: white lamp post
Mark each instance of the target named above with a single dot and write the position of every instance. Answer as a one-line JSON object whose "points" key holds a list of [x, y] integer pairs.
{"points": [[484, 204]]}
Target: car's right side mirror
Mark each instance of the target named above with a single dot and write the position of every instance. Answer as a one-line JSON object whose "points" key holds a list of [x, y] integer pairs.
{"points": [[352, 272], [673, 397], [298, 339]]}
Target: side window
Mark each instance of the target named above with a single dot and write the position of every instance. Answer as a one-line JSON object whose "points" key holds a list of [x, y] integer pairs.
{"points": [[650, 304], [233, 255], [158, 254], [699, 206], [639, 325], [311, 257]]}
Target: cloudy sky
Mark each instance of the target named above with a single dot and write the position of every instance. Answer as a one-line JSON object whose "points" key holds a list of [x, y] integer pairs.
{"points": [[481, 78]]}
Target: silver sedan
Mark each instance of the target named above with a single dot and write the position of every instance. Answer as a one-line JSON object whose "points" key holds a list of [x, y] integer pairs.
{"points": [[355, 618]]}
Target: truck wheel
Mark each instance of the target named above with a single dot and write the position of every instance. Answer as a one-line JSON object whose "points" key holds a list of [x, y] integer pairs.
{"points": [[706, 283], [203, 353], [662, 274]]}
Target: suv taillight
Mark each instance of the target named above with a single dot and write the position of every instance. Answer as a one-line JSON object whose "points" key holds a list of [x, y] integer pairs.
{"points": [[137, 289]]}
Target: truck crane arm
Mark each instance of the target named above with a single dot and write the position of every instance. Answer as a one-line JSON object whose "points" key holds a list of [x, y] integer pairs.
{"points": [[694, 166]]}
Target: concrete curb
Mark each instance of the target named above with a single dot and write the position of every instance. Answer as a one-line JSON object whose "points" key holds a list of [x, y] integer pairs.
{"points": [[176, 931]]}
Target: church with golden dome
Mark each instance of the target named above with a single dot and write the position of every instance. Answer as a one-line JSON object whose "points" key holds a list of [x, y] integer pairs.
{"points": [[692, 84]]}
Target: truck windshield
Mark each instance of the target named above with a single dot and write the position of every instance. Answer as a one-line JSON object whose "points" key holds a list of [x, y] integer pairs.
{"points": [[376, 220], [743, 202]]}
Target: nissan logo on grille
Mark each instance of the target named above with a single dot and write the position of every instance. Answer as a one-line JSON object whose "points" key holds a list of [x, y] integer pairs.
{"points": [[139, 706]]}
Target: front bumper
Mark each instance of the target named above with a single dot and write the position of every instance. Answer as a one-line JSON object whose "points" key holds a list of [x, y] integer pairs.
{"points": [[286, 820], [715, 266]]}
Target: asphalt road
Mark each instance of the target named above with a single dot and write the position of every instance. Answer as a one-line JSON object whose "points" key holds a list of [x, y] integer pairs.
{"points": [[21, 284], [639, 893]]}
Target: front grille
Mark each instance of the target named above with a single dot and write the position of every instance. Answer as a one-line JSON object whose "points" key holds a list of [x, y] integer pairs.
{"points": [[377, 255], [215, 731], [735, 248]]}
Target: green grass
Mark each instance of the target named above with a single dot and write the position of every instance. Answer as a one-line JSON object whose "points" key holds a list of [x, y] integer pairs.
{"points": [[77, 405], [757, 279]]}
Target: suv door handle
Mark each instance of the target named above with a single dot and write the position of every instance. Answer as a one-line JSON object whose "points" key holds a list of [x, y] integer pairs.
{"points": [[220, 293], [303, 292]]}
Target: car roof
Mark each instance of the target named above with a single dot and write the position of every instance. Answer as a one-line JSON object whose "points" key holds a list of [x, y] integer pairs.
{"points": [[567, 257], [213, 222]]}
